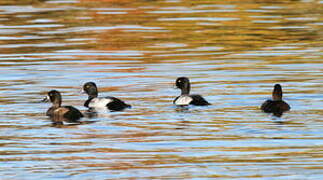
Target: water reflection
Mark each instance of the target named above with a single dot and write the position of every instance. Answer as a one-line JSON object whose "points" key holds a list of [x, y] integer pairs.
{"points": [[234, 51], [58, 123]]}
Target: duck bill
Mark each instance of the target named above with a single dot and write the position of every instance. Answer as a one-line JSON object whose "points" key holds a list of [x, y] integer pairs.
{"points": [[46, 99]]}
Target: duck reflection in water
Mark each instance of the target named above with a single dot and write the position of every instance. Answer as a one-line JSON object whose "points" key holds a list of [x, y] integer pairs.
{"points": [[276, 106]]}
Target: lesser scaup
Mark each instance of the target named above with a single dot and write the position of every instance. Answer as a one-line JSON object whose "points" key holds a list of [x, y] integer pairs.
{"points": [[186, 98], [276, 105], [60, 113], [109, 102]]}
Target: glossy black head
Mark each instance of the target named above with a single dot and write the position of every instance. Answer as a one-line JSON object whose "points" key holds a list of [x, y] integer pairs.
{"points": [[277, 92], [54, 97], [90, 89], [183, 83]]}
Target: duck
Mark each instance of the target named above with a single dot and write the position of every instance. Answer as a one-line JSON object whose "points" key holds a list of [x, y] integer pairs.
{"points": [[186, 98], [276, 105], [59, 113], [98, 103]]}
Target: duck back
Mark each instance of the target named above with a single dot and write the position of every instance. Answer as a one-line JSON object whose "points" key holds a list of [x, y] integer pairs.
{"points": [[271, 106], [198, 100]]}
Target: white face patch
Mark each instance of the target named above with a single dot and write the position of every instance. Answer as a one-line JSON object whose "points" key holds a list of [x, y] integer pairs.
{"points": [[46, 99], [99, 102], [183, 100]]}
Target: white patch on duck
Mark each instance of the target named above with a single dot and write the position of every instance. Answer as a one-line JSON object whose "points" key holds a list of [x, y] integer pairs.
{"points": [[99, 102], [183, 100]]}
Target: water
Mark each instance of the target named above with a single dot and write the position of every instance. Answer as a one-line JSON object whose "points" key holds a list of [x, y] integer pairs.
{"points": [[233, 52]]}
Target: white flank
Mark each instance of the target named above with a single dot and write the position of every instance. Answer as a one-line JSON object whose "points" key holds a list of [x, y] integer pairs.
{"points": [[99, 102], [183, 100]]}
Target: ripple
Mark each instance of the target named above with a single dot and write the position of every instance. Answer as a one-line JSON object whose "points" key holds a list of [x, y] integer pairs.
{"points": [[233, 53], [198, 19]]}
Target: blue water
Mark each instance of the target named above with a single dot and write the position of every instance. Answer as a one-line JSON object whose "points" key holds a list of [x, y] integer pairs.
{"points": [[233, 53]]}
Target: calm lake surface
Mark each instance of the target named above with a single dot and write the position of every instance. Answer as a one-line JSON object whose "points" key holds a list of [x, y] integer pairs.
{"points": [[232, 51]]}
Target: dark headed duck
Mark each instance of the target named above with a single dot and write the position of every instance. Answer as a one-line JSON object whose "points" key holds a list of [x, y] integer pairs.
{"points": [[59, 113], [276, 105], [186, 98], [107, 103]]}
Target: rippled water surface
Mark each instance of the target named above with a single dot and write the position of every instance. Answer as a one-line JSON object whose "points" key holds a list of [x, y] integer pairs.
{"points": [[233, 52]]}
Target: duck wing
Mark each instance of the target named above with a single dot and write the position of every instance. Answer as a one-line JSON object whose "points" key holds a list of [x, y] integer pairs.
{"points": [[198, 100], [72, 114], [267, 106], [117, 104], [271, 106]]}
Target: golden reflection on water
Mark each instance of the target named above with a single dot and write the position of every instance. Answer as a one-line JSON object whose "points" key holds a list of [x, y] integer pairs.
{"points": [[232, 51]]}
